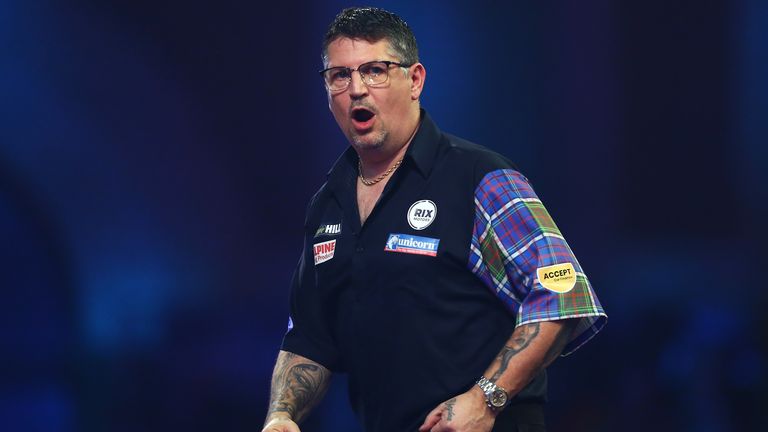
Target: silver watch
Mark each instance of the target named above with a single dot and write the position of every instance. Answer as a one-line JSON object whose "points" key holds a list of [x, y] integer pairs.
{"points": [[495, 397]]}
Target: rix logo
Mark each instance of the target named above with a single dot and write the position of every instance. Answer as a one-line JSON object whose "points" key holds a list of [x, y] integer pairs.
{"points": [[423, 213]]}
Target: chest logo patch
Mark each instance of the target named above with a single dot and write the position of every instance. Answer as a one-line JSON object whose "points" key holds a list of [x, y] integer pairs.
{"points": [[410, 244], [559, 278], [421, 214], [328, 229], [324, 251]]}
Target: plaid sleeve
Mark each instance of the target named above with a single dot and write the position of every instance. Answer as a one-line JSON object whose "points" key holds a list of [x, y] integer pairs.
{"points": [[514, 243]]}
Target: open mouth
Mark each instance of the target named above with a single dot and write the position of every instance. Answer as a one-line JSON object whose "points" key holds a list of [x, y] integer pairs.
{"points": [[362, 115]]}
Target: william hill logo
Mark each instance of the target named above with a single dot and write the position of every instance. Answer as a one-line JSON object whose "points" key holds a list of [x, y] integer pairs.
{"points": [[328, 229]]}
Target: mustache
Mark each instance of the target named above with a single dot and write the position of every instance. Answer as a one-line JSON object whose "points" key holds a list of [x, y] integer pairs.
{"points": [[362, 104]]}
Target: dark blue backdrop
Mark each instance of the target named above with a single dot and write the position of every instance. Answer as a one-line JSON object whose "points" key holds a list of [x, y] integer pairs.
{"points": [[156, 159]]}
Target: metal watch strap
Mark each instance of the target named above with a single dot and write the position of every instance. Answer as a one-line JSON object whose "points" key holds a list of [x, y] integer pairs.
{"points": [[489, 387], [486, 385]]}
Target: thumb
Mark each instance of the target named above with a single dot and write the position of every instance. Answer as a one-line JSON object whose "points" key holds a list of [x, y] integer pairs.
{"points": [[281, 426], [432, 419]]}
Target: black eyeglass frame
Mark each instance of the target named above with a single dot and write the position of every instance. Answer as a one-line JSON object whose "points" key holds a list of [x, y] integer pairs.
{"points": [[386, 62]]}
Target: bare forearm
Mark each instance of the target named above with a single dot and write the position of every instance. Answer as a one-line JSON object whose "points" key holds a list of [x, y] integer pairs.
{"points": [[298, 384], [530, 349]]}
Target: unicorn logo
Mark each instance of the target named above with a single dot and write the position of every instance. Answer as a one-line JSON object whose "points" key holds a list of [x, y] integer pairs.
{"points": [[392, 242]]}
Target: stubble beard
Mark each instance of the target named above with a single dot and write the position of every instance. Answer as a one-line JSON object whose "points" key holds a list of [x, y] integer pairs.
{"points": [[369, 141]]}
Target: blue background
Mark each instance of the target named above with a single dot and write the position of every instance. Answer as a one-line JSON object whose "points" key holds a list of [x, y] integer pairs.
{"points": [[156, 159]]}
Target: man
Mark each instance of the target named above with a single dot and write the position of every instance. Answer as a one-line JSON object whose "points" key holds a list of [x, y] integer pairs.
{"points": [[431, 272]]}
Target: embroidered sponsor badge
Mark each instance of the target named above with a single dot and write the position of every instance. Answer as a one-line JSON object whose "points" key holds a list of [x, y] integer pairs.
{"points": [[328, 229], [412, 244], [559, 278], [324, 251], [421, 214]]}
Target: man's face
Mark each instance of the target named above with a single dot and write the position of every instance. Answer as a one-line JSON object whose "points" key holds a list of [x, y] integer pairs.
{"points": [[372, 117]]}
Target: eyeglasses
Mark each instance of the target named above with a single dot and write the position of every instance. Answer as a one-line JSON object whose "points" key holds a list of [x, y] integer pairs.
{"points": [[372, 73]]}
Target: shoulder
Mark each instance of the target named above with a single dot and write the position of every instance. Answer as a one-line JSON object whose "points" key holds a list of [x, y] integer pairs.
{"points": [[316, 202], [319, 196], [482, 161]]}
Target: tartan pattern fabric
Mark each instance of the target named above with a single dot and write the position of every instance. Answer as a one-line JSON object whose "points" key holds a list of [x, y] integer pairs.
{"points": [[513, 235]]}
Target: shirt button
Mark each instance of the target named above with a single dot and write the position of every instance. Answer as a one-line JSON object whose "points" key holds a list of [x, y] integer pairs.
{"points": [[359, 249]]}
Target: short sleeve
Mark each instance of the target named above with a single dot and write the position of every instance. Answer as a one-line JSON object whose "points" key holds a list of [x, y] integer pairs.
{"points": [[520, 254], [308, 333]]}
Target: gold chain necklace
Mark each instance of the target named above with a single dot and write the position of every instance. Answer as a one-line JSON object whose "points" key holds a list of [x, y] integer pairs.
{"points": [[380, 177]]}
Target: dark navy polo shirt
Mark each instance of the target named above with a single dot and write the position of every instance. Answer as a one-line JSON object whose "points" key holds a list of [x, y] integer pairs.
{"points": [[399, 303]]}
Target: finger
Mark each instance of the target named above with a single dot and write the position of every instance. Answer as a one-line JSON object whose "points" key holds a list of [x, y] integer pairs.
{"points": [[282, 427], [441, 426], [431, 420]]}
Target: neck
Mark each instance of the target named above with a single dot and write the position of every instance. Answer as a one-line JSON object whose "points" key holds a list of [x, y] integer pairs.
{"points": [[375, 164]]}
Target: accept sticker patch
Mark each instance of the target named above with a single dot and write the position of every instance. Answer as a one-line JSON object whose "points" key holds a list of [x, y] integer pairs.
{"points": [[324, 251], [559, 278]]}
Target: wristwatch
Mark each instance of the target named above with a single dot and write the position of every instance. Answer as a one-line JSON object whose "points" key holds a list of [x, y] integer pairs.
{"points": [[495, 397]]}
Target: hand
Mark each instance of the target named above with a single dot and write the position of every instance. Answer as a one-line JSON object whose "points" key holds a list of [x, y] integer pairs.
{"points": [[281, 425], [466, 412]]}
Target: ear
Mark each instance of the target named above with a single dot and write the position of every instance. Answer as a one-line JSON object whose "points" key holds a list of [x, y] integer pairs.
{"points": [[417, 74]]}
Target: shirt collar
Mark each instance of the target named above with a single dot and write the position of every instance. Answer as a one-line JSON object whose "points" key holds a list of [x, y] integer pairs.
{"points": [[422, 151]]}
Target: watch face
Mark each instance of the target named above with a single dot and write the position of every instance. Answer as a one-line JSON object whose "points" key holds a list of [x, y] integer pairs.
{"points": [[498, 398]]}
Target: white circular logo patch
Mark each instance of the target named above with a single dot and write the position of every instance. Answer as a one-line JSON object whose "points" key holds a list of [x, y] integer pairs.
{"points": [[422, 214]]}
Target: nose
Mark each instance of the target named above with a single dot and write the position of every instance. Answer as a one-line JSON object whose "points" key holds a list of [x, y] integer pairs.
{"points": [[357, 87]]}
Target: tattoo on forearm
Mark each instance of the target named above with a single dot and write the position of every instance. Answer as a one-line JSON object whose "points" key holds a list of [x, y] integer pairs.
{"points": [[449, 408], [520, 339], [561, 339], [296, 386]]}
